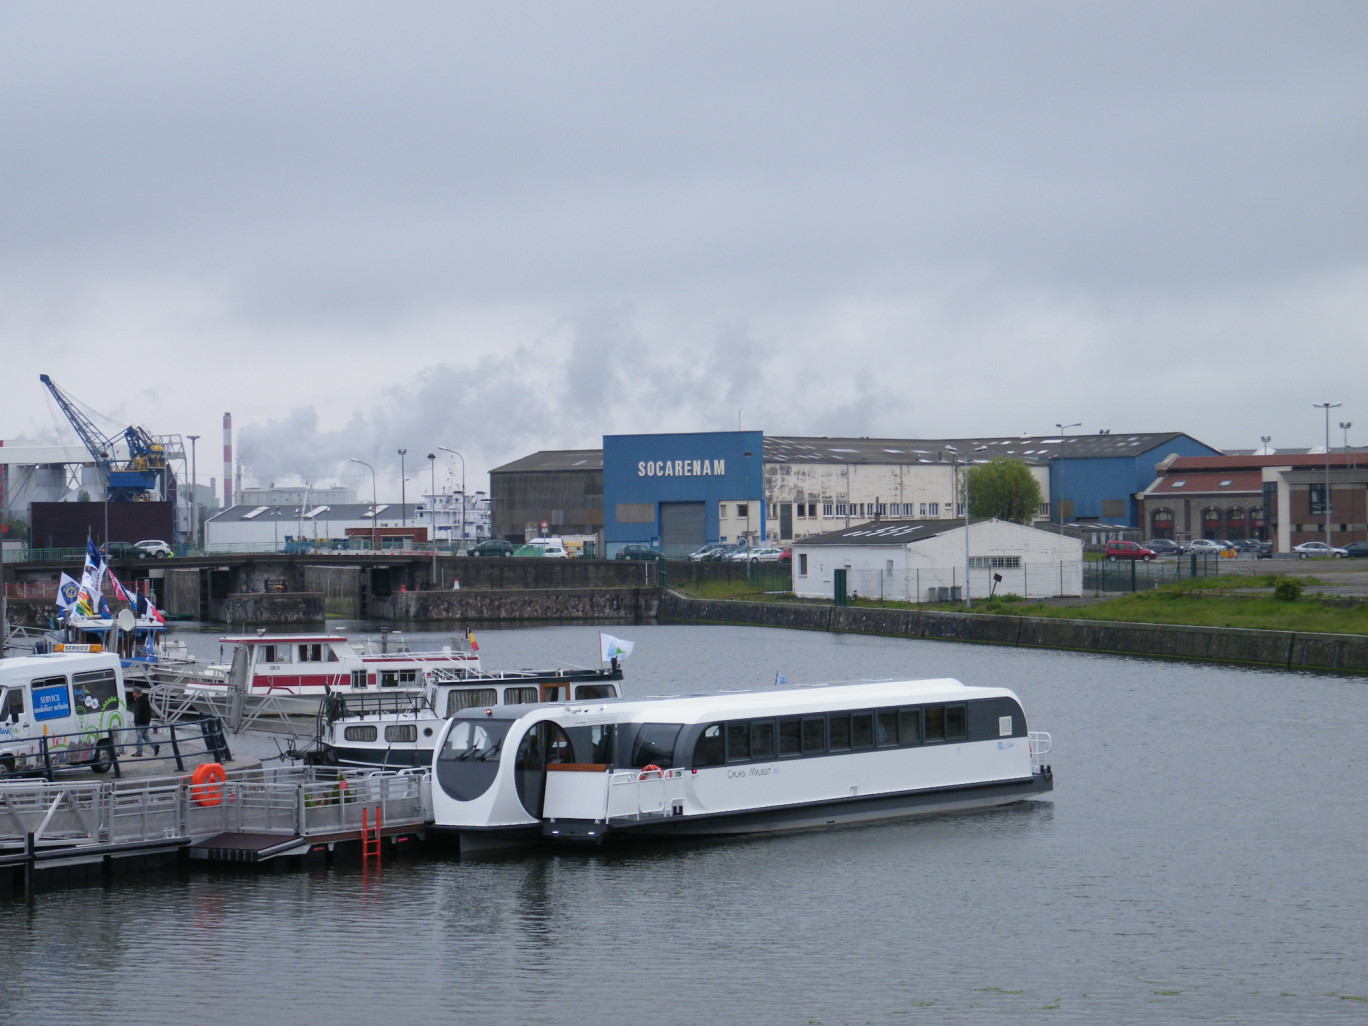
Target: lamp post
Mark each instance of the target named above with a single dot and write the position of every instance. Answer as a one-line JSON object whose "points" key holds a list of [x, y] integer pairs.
{"points": [[194, 478], [1063, 428], [403, 494], [1345, 425], [748, 499], [463, 491], [1327, 407], [432, 465], [375, 503], [1265, 439]]}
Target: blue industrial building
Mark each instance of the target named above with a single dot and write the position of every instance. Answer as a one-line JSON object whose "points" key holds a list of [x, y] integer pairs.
{"points": [[1098, 478], [682, 490]]}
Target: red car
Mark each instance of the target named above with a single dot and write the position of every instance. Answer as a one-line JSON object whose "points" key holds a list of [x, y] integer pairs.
{"points": [[1128, 550]]}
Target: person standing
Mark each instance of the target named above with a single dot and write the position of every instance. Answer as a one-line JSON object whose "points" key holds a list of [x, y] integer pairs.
{"points": [[141, 708]]}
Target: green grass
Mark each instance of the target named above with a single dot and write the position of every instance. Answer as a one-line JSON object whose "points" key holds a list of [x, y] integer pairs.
{"points": [[1226, 601]]}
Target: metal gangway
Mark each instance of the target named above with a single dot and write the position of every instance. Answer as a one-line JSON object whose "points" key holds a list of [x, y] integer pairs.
{"points": [[247, 815]]}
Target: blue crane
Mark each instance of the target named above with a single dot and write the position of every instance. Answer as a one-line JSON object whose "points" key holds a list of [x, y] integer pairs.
{"points": [[127, 481]]}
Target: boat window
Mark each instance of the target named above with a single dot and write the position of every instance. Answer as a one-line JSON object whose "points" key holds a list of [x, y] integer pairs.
{"points": [[862, 730], [475, 740], [709, 750], [955, 719], [311, 653], [738, 741], [762, 739], [909, 726], [886, 728], [584, 692], [838, 731], [935, 722], [814, 734], [359, 679], [389, 678], [520, 696], [790, 737], [274, 654], [95, 691], [558, 748], [329, 656], [367, 733], [655, 745], [470, 698], [401, 733], [601, 743]]}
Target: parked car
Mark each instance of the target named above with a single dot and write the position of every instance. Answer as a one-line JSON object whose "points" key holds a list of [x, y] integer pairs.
{"points": [[762, 554], [1164, 547], [550, 548], [1128, 550], [1264, 551], [491, 547], [698, 555], [724, 553], [1318, 548], [786, 556], [1356, 549], [639, 552], [1206, 547], [123, 550], [155, 547]]}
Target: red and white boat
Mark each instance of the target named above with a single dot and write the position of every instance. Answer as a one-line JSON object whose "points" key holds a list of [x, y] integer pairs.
{"points": [[288, 674]]}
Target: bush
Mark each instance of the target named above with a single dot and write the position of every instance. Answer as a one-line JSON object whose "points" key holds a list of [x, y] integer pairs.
{"points": [[1288, 589]]}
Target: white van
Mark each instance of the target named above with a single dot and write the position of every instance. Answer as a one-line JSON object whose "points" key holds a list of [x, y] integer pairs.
{"points": [[68, 701], [553, 548]]}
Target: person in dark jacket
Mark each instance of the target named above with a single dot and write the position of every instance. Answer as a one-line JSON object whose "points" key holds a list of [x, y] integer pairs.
{"points": [[141, 708]]}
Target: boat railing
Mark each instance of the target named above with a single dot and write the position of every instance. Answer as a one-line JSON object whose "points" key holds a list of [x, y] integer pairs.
{"points": [[288, 801], [1040, 742]]}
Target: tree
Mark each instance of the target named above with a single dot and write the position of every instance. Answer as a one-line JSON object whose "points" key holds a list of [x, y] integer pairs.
{"points": [[1005, 489]]}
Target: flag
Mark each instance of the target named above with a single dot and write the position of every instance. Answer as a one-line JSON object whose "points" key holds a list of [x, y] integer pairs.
{"points": [[780, 679], [470, 640], [153, 611], [119, 592], [67, 590], [614, 648]]}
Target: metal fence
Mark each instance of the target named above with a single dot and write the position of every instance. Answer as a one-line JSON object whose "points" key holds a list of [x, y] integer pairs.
{"points": [[1137, 575]]}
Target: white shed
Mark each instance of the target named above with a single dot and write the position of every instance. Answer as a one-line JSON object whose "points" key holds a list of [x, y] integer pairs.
{"points": [[928, 560]]}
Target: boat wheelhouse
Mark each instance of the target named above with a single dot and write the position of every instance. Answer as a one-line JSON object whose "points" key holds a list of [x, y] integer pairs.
{"points": [[399, 729], [733, 762], [293, 672], [141, 642]]}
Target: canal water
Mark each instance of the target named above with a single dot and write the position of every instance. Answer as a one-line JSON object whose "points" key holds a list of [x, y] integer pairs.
{"points": [[1201, 859]]}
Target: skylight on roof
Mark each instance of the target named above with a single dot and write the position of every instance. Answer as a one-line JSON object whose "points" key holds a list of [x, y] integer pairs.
{"points": [[1178, 484], [255, 513]]}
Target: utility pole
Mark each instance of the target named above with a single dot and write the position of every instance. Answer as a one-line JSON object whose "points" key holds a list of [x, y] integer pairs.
{"points": [[1327, 407], [194, 478]]}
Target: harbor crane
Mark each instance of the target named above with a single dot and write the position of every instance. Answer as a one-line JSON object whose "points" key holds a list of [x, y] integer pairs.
{"points": [[127, 481]]}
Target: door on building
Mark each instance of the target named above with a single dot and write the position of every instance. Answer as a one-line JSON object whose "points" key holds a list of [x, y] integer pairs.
{"points": [[785, 520], [683, 527]]}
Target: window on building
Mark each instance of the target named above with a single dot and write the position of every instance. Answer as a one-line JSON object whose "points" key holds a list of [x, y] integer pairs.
{"points": [[802, 564], [923, 509], [826, 509], [841, 509], [742, 510], [934, 509], [812, 509], [800, 511], [882, 509], [722, 510]]}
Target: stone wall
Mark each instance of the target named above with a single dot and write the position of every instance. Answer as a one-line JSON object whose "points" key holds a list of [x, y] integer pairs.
{"points": [[1284, 649]]}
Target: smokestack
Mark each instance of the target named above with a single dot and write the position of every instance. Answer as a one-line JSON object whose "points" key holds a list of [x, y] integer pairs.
{"points": [[227, 460]]}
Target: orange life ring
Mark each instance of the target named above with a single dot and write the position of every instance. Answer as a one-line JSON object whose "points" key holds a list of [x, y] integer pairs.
{"points": [[650, 768], [206, 785]]}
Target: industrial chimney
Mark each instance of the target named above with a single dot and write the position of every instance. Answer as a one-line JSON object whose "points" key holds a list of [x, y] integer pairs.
{"points": [[227, 460]]}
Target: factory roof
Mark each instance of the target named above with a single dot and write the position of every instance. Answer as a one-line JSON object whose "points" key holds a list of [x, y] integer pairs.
{"points": [[555, 460]]}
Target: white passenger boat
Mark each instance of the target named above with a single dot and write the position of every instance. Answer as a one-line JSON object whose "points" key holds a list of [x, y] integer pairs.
{"points": [[288, 674], [391, 729], [734, 762]]}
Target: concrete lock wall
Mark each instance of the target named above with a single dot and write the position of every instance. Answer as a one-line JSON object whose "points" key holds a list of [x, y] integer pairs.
{"points": [[1282, 649]]}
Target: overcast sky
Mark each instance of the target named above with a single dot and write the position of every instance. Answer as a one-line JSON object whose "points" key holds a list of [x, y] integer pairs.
{"points": [[505, 227]]}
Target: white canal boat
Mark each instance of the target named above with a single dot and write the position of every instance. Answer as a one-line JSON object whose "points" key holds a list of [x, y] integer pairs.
{"points": [[289, 674], [732, 763], [397, 730]]}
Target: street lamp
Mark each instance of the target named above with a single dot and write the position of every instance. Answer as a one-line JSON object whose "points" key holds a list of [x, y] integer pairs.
{"points": [[1265, 439], [432, 465], [1327, 407], [403, 514], [194, 478], [1063, 428], [463, 491], [375, 503], [748, 499]]}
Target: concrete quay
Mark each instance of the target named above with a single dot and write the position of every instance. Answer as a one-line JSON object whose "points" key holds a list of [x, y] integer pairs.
{"points": [[1290, 650]]}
